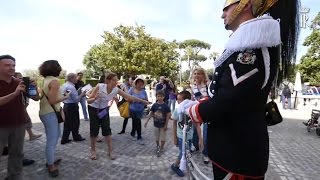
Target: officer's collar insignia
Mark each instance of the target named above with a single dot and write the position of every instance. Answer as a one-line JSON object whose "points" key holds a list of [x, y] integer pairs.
{"points": [[246, 57]]}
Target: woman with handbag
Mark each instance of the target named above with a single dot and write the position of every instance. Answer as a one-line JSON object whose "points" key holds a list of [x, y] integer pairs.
{"points": [[125, 87], [99, 111], [49, 107]]}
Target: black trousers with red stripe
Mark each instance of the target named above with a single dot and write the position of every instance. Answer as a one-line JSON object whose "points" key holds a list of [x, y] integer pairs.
{"points": [[220, 174]]}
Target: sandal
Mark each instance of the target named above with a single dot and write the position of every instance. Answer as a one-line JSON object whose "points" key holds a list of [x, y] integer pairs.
{"points": [[93, 155], [56, 162], [54, 173], [35, 136], [111, 156]]}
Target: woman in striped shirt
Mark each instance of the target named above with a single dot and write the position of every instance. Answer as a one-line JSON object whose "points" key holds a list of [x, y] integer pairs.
{"points": [[199, 91]]}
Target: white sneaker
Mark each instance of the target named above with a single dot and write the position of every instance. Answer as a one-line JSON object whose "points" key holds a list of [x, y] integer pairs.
{"points": [[193, 149], [140, 141], [158, 151], [206, 159]]}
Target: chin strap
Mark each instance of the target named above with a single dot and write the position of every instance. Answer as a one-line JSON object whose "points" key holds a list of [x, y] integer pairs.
{"points": [[242, 4]]}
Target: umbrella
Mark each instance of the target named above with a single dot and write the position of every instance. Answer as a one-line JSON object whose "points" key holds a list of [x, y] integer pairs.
{"points": [[297, 82], [297, 87]]}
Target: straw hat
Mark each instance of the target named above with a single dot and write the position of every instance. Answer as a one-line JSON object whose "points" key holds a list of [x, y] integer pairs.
{"points": [[139, 78]]}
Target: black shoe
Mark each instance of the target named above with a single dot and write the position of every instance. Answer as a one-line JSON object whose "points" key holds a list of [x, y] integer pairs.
{"points": [[27, 162], [122, 132], [5, 151], [79, 139], [65, 141], [177, 170], [305, 123]]}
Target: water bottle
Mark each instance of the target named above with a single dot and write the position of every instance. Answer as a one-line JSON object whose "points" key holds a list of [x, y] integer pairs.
{"points": [[32, 90]]}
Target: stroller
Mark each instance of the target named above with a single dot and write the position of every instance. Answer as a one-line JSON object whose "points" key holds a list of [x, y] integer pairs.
{"points": [[187, 163], [313, 122]]}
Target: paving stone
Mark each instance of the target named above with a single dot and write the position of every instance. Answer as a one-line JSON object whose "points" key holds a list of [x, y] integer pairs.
{"points": [[294, 154]]}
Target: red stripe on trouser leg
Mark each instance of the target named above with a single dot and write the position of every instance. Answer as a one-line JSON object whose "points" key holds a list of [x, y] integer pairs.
{"points": [[235, 174]]}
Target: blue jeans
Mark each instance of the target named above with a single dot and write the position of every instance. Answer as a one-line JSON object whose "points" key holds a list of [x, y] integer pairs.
{"points": [[53, 132], [172, 104], [83, 103], [204, 133], [283, 100], [180, 147]]}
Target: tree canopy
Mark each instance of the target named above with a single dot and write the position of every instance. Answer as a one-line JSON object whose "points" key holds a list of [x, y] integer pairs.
{"points": [[130, 50], [192, 49], [310, 62]]}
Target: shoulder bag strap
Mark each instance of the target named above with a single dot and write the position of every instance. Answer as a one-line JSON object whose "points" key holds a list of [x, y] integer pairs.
{"points": [[275, 81], [48, 101]]}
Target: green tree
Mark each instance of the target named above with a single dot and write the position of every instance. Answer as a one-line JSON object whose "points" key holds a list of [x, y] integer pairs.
{"points": [[214, 56], [130, 50], [209, 71], [63, 74], [186, 76], [310, 62], [32, 73], [192, 49]]}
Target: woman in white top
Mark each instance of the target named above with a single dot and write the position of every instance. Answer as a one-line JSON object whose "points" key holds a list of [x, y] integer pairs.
{"points": [[99, 111], [199, 91]]}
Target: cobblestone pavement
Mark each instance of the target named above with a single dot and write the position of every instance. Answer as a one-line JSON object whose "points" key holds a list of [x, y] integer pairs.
{"points": [[294, 154]]}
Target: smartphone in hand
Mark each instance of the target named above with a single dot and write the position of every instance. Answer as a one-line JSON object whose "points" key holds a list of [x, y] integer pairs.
{"points": [[26, 82], [30, 90]]}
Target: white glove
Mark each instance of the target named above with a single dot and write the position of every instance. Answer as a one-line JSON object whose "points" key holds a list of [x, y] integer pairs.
{"points": [[184, 106]]}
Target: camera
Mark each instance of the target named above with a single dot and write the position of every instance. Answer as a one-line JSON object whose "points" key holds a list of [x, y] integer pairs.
{"points": [[166, 81], [31, 90]]}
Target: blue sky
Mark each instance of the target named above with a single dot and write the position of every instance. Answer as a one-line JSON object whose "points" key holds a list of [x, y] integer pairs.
{"points": [[37, 30]]}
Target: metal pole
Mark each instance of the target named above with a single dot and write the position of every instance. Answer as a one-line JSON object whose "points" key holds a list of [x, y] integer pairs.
{"points": [[295, 101]]}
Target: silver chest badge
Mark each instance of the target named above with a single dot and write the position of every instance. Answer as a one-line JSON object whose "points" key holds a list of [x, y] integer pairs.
{"points": [[247, 57]]}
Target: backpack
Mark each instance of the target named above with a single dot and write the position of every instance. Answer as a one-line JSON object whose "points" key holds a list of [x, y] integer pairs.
{"points": [[286, 90]]}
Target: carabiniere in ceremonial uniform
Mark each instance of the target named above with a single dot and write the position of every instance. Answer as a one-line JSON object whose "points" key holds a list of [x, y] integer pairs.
{"points": [[238, 141]]}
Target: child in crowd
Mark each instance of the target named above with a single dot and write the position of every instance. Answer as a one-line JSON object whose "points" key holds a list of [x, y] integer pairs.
{"points": [[160, 112], [178, 125]]}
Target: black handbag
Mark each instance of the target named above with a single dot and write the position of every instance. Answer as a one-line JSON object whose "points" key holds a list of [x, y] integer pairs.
{"points": [[273, 115], [58, 114]]}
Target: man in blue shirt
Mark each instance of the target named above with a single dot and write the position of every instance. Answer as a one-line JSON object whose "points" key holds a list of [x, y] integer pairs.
{"points": [[165, 85], [80, 84], [71, 110]]}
